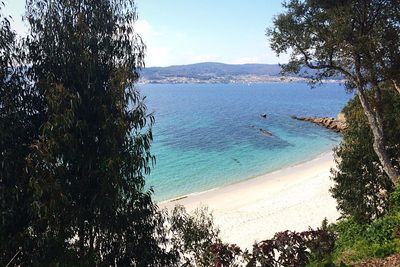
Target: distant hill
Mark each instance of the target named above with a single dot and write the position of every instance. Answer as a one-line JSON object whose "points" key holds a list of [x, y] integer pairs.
{"points": [[212, 72], [211, 69], [209, 72]]}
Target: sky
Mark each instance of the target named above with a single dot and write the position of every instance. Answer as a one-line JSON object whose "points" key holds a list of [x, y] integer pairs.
{"points": [[178, 32]]}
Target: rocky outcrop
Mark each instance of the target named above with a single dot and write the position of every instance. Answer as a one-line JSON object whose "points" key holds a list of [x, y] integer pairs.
{"points": [[338, 125]]}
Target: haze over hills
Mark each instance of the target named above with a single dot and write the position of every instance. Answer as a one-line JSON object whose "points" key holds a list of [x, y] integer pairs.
{"points": [[212, 72]]}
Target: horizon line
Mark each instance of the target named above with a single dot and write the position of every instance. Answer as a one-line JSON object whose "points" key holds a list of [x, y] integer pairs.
{"points": [[213, 62]]}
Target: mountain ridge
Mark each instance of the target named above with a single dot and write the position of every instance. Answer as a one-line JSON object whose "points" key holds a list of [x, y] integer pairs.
{"points": [[216, 72], [211, 72]]}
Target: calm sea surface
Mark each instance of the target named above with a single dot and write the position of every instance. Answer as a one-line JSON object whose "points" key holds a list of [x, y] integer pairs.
{"points": [[207, 135]]}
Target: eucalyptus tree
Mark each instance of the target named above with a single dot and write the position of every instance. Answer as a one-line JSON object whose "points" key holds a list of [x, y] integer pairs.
{"points": [[358, 40], [88, 166], [21, 114]]}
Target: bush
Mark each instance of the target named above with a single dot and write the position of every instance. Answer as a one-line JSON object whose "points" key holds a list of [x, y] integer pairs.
{"points": [[361, 186], [284, 249], [394, 200], [321, 242], [195, 241], [361, 241], [192, 235], [294, 249]]}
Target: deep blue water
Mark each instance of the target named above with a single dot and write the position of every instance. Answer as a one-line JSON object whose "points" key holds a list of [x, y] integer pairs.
{"points": [[206, 135]]}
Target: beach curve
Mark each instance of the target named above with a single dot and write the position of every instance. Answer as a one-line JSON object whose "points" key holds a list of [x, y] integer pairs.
{"points": [[293, 198]]}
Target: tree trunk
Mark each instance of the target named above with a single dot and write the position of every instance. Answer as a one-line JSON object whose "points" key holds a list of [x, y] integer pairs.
{"points": [[396, 86], [379, 140]]}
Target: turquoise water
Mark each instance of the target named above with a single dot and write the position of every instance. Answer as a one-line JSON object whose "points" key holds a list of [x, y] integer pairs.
{"points": [[207, 136]]}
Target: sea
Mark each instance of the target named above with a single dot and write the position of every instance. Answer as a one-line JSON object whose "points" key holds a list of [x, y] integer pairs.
{"points": [[208, 135]]}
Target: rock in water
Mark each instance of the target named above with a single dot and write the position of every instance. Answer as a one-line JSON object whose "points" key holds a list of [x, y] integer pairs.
{"points": [[264, 115], [338, 125], [265, 132], [262, 131]]}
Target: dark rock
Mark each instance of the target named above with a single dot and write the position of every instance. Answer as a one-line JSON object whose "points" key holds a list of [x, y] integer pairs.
{"points": [[265, 132], [264, 115], [337, 125], [262, 131]]}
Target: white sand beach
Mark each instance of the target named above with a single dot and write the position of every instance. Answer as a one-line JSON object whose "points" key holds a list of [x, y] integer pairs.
{"points": [[293, 198]]}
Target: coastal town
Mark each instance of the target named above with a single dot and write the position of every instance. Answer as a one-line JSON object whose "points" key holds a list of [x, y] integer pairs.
{"points": [[240, 79], [219, 73]]}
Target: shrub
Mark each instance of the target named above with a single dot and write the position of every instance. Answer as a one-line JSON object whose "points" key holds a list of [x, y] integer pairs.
{"points": [[294, 249], [360, 241], [361, 186], [195, 241]]}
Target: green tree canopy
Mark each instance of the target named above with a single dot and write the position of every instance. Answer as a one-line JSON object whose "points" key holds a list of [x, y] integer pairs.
{"points": [[87, 168], [358, 40], [21, 114], [361, 185]]}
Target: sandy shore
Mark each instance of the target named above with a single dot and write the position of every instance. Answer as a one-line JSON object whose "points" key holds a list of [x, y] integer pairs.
{"points": [[293, 198]]}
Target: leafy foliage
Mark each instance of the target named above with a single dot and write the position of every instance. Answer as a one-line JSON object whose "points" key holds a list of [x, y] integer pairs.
{"points": [[75, 145], [285, 249], [75, 140], [331, 37], [394, 200], [192, 235], [361, 241], [222, 254], [340, 244], [357, 40], [361, 186], [196, 241], [21, 114], [293, 249], [88, 166]]}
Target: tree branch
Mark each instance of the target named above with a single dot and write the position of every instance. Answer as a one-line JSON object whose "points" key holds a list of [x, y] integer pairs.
{"points": [[330, 66], [396, 86]]}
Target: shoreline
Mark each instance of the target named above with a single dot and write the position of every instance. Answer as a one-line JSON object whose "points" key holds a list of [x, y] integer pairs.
{"points": [[292, 198], [180, 197], [273, 81]]}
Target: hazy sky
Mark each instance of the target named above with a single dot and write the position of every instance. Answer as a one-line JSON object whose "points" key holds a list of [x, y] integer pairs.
{"points": [[189, 31]]}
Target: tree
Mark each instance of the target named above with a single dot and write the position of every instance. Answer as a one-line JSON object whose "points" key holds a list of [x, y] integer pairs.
{"points": [[192, 236], [87, 169], [358, 40], [21, 110], [361, 185]]}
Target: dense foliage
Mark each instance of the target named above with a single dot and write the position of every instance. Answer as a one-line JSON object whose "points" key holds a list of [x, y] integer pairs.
{"points": [[357, 241], [192, 235], [75, 143], [196, 242], [344, 243], [21, 114], [361, 185], [357, 40], [75, 140]]}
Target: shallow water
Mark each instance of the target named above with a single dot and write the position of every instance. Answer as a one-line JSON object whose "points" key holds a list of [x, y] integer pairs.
{"points": [[207, 135]]}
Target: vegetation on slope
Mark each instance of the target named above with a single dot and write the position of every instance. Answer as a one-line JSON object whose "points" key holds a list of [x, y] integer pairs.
{"points": [[75, 142]]}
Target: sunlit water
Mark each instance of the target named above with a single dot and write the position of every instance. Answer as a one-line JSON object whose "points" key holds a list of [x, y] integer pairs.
{"points": [[207, 135]]}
